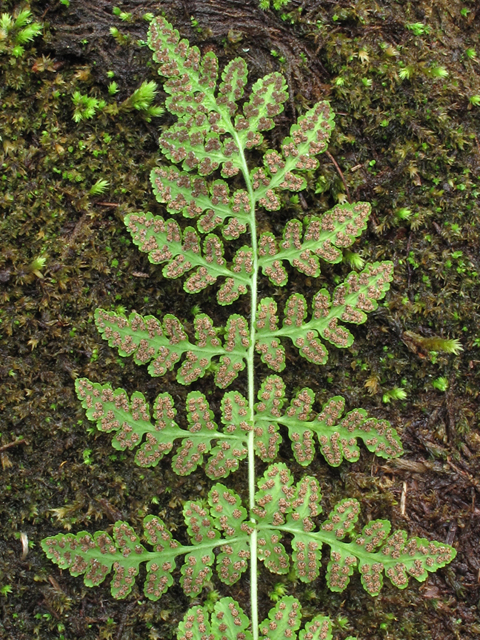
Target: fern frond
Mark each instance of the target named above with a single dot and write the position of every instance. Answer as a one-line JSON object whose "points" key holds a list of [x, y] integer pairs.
{"points": [[337, 436], [281, 508], [323, 238], [181, 191], [288, 509], [216, 126], [95, 556], [230, 518], [165, 242], [129, 418], [351, 300], [163, 344]]}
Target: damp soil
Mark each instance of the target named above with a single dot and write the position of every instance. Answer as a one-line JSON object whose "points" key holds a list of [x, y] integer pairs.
{"points": [[402, 78]]}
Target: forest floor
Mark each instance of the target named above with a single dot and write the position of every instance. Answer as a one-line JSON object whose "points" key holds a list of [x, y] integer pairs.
{"points": [[403, 78]]}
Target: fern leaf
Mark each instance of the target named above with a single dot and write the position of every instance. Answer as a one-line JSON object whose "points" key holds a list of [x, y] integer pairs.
{"points": [[176, 58], [242, 269], [402, 557], [273, 499], [287, 508], [283, 620], [113, 411], [306, 555], [229, 621], [230, 518], [226, 621], [339, 569], [340, 441], [269, 347], [323, 237], [357, 295], [337, 437], [227, 454], [165, 242], [308, 137], [281, 508], [182, 192], [195, 624], [95, 556], [267, 438], [320, 628], [235, 349], [342, 519], [192, 87], [279, 503], [164, 344], [234, 79], [200, 420], [266, 101], [197, 571], [296, 416], [198, 150]]}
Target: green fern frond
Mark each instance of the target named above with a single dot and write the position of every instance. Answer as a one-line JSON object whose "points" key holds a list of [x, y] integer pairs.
{"points": [[219, 129], [282, 508]]}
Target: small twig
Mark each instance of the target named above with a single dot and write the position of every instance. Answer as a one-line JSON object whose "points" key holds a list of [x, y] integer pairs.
{"points": [[4, 447], [403, 499], [24, 541], [340, 174], [108, 204]]}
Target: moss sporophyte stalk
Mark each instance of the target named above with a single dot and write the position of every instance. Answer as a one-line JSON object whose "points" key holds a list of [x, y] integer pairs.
{"points": [[214, 134]]}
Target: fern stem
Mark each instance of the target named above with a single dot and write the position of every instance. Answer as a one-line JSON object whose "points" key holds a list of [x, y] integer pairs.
{"points": [[251, 392]]}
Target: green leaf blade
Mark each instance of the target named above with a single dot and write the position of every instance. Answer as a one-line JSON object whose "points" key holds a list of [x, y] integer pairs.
{"points": [[201, 423], [342, 518], [229, 622], [273, 499], [237, 342], [266, 101], [269, 347], [195, 625], [230, 518], [227, 454], [234, 79], [320, 628], [283, 620], [197, 569], [271, 397], [306, 557], [272, 552], [339, 569]]}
